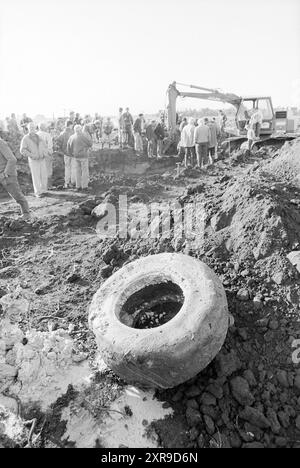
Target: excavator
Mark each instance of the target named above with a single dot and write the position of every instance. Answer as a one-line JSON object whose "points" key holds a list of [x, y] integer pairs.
{"points": [[244, 106]]}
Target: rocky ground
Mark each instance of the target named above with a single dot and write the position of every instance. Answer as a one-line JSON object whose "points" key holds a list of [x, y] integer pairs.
{"points": [[250, 394]]}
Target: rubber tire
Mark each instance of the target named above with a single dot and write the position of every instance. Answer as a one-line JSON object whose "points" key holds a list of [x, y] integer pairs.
{"points": [[176, 351]]}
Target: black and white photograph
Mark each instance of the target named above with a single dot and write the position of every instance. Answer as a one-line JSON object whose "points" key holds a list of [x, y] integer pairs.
{"points": [[149, 227]]}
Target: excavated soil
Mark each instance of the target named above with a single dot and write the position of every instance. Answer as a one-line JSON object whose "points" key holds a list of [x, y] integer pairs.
{"points": [[250, 394]]}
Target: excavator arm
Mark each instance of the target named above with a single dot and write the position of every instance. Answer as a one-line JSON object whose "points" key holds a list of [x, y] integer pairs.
{"points": [[210, 94]]}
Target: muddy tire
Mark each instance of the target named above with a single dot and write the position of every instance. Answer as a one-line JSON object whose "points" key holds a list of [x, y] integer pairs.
{"points": [[176, 351]]}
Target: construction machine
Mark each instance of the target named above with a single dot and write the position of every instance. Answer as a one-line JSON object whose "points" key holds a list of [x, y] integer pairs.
{"points": [[245, 107]]}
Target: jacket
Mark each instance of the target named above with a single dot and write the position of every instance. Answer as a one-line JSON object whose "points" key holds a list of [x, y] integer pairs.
{"points": [[159, 132], [8, 162], [202, 134], [213, 136], [121, 121], [150, 135], [108, 127], [137, 126], [187, 136], [33, 148], [182, 125], [78, 146], [128, 119], [62, 140], [24, 122]]}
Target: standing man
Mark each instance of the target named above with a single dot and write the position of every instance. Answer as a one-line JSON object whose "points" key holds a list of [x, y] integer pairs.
{"points": [[201, 140], [223, 120], [217, 129], [183, 123], [13, 125], [97, 130], [33, 148], [250, 137], [150, 135], [128, 122], [256, 121], [78, 147], [77, 119], [159, 135], [180, 146], [9, 178], [24, 122], [62, 143], [47, 139], [121, 125], [213, 140], [137, 133], [108, 127], [188, 142]]}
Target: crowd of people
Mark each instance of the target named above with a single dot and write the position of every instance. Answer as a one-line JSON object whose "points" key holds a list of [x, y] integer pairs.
{"points": [[134, 132], [199, 140], [73, 137]]}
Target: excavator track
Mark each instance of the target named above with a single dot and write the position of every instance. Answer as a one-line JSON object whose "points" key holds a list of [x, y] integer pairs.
{"points": [[235, 143]]}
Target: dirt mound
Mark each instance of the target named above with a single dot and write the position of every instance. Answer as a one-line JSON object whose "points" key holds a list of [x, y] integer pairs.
{"points": [[287, 165], [254, 218]]}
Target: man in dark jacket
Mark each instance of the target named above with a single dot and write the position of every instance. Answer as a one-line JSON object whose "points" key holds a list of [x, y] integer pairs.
{"points": [[62, 143], [24, 122], [9, 178], [77, 120], [128, 122], [151, 138], [78, 147], [160, 135], [137, 133]]}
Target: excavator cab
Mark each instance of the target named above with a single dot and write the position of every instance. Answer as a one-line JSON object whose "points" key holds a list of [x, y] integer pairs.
{"points": [[248, 106]]}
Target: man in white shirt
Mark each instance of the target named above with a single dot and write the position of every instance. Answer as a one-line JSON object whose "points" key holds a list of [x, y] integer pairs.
{"points": [[47, 139], [35, 150], [187, 141], [250, 136], [256, 121], [201, 141]]}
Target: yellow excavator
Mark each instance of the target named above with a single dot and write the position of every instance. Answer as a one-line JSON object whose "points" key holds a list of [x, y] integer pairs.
{"points": [[245, 107]]}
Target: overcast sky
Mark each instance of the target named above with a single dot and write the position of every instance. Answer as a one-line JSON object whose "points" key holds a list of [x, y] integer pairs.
{"points": [[97, 55]]}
